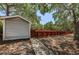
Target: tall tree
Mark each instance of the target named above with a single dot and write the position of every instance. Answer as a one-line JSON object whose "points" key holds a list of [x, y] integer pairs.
{"points": [[7, 9], [69, 10], [66, 12]]}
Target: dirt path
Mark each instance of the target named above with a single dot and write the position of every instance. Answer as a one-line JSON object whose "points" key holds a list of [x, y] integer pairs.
{"points": [[40, 48]]}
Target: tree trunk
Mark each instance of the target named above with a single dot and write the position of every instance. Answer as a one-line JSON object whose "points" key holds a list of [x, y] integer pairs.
{"points": [[7, 10], [76, 27]]}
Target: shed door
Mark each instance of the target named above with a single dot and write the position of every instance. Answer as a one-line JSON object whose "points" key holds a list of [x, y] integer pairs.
{"points": [[16, 28]]}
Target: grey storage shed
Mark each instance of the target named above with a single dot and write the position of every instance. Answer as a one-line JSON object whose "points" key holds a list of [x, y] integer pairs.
{"points": [[15, 27]]}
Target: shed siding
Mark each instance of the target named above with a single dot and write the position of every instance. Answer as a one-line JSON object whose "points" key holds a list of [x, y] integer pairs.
{"points": [[16, 28]]}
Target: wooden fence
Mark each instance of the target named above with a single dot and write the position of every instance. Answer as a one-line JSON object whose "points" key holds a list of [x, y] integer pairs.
{"points": [[45, 33]]}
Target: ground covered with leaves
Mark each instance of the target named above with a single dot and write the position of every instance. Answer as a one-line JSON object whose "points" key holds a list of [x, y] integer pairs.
{"points": [[55, 45], [61, 45], [16, 47]]}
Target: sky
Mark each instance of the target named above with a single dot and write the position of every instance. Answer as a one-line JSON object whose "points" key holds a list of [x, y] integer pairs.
{"points": [[47, 17], [2, 13]]}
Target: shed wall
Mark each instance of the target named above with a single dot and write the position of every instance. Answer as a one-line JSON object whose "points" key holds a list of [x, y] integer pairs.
{"points": [[16, 28]]}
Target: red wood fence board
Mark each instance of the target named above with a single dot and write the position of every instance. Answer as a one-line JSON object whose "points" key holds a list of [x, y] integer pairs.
{"points": [[45, 33]]}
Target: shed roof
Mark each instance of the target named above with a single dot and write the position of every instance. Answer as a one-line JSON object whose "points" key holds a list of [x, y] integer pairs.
{"points": [[6, 17]]}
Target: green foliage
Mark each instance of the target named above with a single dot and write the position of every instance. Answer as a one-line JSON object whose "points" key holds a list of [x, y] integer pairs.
{"points": [[48, 26], [63, 15], [37, 26], [64, 25]]}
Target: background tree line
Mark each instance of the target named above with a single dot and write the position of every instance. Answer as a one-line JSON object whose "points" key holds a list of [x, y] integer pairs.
{"points": [[65, 15]]}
